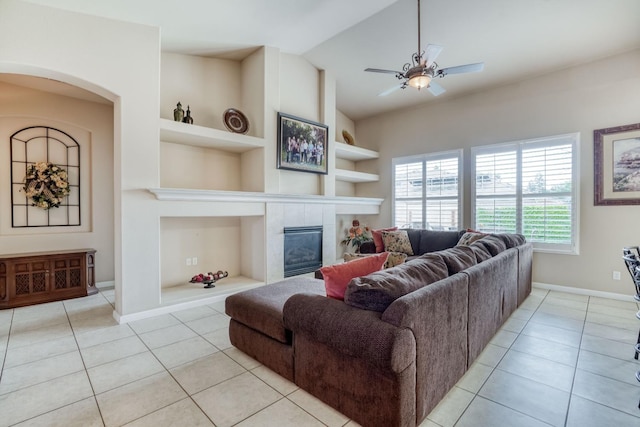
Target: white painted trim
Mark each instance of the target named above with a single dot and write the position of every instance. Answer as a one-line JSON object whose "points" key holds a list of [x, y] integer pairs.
{"points": [[181, 194], [109, 284], [580, 291]]}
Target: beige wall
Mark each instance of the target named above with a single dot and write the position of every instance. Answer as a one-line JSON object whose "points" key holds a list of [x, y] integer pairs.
{"points": [[91, 124], [602, 94], [119, 61]]}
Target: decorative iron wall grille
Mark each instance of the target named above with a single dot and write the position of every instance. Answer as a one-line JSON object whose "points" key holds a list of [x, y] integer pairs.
{"points": [[44, 144]]}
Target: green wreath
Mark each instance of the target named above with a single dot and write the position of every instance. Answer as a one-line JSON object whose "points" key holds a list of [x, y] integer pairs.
{"points": [[46, 185]]}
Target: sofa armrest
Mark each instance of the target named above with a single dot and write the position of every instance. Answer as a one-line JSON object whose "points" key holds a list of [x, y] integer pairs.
{"points": [[350, 331]]}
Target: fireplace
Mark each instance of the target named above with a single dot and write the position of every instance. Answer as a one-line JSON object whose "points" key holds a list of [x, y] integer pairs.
{"points": [[302, 250]]}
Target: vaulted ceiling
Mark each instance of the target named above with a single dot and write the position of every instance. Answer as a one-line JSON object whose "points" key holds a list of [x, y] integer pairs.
{"points": [[516, 39]]}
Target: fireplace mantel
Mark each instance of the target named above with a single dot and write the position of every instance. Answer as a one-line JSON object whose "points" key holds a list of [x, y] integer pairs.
{"points": [[180, 194]]}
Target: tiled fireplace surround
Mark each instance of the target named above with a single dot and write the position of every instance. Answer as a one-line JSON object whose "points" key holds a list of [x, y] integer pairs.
{"points": [[281, 215]]}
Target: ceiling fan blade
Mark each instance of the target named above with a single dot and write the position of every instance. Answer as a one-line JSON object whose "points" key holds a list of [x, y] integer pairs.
{"points": [[469, 68], [378, 70], [391, 89], [435, 88], [431, 53]]}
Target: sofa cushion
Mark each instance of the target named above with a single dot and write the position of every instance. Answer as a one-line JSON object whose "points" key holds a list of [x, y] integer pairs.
{"points": [[511, 240], [414, 238], [377, 290], [433, 241], [377, 238], [395, 258], [481, 253], [336, 277], [493, 244], [397, 241], [469, 237], [458, 258], [261, 308]]}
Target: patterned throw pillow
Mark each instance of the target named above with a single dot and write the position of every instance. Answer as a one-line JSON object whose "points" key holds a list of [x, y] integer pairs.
{"points": [[469, 237], [395, 258], [397, 241], [377, 238]]}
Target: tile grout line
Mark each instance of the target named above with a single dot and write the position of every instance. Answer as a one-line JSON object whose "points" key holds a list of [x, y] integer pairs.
{"points": [[575, 369], [493, 369], [6, 349]]}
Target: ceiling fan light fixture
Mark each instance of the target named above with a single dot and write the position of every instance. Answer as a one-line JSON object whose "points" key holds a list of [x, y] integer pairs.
{"points": [[419, 81]]}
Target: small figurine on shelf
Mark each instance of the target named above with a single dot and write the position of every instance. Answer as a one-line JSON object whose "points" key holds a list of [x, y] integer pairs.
{"points": [[178, 113], [188, 119]]}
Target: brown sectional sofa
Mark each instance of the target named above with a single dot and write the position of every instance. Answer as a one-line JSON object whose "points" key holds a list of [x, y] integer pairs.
{"points": [[401, 339]]}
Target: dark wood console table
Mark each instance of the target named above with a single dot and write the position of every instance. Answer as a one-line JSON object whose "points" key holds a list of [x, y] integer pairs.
{"points": [[37, 277]]}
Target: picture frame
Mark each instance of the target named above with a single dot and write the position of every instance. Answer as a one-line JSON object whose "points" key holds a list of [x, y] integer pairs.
{"points": [[616, 162], [302, 145]]}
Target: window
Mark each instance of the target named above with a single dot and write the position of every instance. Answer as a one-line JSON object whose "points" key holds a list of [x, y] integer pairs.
{"points": [[427, 191], [528, 187]]}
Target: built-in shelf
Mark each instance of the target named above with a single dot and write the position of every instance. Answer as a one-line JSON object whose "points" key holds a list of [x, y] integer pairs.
{"points": [[355, 176], [354, 153], [200, 136], [196, 291], [181, 194]]}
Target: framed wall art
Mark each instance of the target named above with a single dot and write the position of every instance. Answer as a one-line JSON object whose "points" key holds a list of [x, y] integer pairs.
{"points": [[616, 161], [302, 144]]}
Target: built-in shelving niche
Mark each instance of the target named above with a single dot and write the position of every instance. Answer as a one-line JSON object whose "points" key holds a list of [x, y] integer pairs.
{"points": [[209, 159], [233, 243]]}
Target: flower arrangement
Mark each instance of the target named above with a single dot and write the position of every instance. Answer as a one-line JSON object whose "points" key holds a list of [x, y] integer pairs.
{"points": [[357, 235], [46, 185]]}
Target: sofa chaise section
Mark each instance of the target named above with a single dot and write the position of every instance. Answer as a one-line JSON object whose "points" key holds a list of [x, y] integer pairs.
{"points": [[257, 326]]}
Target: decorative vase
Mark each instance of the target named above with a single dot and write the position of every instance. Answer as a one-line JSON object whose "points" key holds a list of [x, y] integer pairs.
{"points": [[178, 113], [188, 119]]}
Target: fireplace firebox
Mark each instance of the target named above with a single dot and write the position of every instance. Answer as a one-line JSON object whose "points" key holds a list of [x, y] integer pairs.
{"points": [[302, 250]]}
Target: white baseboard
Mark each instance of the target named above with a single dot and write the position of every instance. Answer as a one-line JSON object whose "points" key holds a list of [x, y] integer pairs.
{"points": [[165, 310], [110, 284], [580, 291], [171, 308]]}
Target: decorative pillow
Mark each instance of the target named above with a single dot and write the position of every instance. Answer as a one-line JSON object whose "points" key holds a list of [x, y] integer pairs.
{"points": [[378, 290], [469, 237], [337, 277], [397, 241], [377, 238], [395, 258]]}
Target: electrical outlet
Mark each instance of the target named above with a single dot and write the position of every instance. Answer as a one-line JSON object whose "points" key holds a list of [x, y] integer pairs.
{"points": [[188, 261], [616, 275], [194, 260]]}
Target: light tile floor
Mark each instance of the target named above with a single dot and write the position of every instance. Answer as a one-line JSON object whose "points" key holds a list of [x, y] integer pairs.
{"points": [[560, 360]]}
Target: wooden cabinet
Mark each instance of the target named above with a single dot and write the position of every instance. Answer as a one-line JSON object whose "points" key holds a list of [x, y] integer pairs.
{"points": [[33, 278]]}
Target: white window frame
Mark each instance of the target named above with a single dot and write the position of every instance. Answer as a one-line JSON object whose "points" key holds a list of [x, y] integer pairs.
{"points": [[574, 138], [425, 158]]}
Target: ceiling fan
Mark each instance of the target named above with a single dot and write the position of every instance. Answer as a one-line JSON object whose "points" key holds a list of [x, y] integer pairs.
{"points": [[422, 69]]}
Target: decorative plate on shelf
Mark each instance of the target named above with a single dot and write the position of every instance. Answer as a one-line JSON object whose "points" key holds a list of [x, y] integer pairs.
{"points": [[348, 138], [235, 121]]}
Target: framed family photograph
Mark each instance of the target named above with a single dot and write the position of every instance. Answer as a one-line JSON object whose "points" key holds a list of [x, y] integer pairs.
{"points": [[616, 161], [302, 144]]}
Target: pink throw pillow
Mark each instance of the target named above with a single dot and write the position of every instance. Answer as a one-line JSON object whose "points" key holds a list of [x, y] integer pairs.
{"points": [[337, 277], [377, 238]]}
